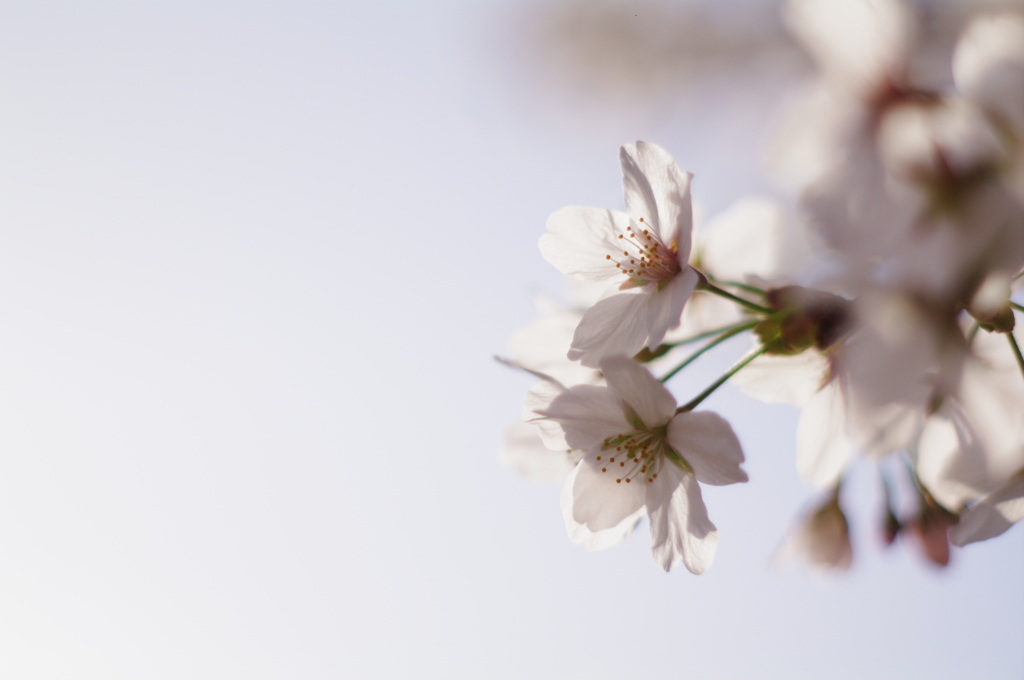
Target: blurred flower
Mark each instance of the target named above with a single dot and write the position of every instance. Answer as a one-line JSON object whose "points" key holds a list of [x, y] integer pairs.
{"points": [[643, 251], [822, 538], [542, 344], [631, 432], [540, 349], [860, 46], [993, 514], [524, 451], [973, 441], [915, 187]]}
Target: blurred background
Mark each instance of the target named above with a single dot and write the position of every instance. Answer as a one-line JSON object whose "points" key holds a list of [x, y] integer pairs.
{"points": [[255, 259]]}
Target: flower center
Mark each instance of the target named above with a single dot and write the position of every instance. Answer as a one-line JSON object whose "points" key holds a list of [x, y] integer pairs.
{"points": [[644, 257], [633, 455]]}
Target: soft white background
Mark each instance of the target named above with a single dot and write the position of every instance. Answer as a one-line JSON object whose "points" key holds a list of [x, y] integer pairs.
{"points": [[254, 261]]}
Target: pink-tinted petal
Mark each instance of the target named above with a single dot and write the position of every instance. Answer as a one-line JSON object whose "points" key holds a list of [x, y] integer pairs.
{"points": [[659, 192], [588, 414], [615, 325], [594, 540], [640, 390], [707, 443], [665, 306], [580, 239], [680, 529], [992, 515], [601, 497]]}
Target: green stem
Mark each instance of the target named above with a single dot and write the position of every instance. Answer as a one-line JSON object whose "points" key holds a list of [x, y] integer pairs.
{"points": [[1016, 351], [742, 286], [742, 324], [690, 405], [973, 334], [715, 290], [735, 330], [1019, 308]]}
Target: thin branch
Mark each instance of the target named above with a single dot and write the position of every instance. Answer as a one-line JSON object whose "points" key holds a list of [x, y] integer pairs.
{"points": [[736, 330], [753, 306], [1016, 351], [690, 405]]}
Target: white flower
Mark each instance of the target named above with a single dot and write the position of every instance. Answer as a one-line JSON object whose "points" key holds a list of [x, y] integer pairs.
{"points": [[643, 251], [642, 456], [540, 348]]}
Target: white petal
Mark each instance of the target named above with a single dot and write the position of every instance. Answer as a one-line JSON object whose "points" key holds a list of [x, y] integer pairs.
{"points": [[594, 540], [598, 500], [993, 515], [644, 393], [680, 528], [859, 44], [665, 306], [988, 65], [951, 458], [615, 325], [588, 414], [822, 448], [746, 239], [776, 379], [706, 441], [525, 451], [541, 346], [704, 312], [581, 238], [536, 401], [658, 191]]}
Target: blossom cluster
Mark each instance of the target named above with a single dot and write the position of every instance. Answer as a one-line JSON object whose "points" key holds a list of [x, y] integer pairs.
{"points": [[881, 305]]}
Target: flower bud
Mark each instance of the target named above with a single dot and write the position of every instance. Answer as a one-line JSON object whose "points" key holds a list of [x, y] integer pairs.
{"points": [[990, 305], [931, 526], [804, 318], [823, 537]]}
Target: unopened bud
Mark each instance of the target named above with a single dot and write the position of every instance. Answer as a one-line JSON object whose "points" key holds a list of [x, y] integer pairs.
{"points": [[931, 526], [823, 537], [890, 528], [990, 305], [804, 318]]}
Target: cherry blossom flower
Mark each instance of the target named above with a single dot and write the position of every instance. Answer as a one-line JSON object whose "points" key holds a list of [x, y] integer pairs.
{"points": [[642, 252], [539, 348], [643, 457]]}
